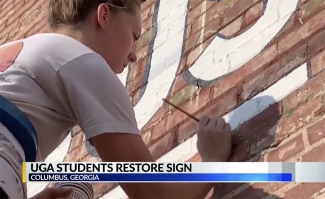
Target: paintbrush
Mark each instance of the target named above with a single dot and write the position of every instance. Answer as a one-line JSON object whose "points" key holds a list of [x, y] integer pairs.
{"points": [[181, 110]]}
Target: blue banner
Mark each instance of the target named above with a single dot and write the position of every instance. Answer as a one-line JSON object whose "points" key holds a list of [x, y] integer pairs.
{"points": [[160, 177]]}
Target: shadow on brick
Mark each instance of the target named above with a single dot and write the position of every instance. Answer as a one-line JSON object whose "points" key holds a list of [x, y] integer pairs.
{"points": [[254, 125]]}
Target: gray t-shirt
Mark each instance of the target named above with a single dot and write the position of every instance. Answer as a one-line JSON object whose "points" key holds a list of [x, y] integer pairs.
{"points": [[58, 83]]}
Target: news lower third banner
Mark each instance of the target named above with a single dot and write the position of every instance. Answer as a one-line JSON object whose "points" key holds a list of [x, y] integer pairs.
{"points": [[198, 172]]}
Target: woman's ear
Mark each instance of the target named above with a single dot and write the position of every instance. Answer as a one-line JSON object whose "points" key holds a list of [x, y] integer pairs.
{"points": [[103, 15]]}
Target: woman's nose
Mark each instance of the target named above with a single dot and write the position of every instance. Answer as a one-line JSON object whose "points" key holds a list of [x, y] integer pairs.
{"points": [[132, 57]]}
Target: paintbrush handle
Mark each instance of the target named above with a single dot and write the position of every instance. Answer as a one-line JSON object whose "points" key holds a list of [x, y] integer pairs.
{"points": [[181, 110]]}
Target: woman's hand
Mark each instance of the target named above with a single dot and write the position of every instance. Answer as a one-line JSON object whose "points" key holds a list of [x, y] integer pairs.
{"points": [[53, 193], [214, 139]]}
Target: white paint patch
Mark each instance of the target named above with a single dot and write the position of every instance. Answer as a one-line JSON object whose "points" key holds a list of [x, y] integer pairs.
{"points": [[165, 58], [236, 117], [57, 156], [219, 58], [224, 56]]}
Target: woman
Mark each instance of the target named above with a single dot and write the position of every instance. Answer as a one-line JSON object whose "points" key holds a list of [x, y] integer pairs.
{"points": [[51, 82]]}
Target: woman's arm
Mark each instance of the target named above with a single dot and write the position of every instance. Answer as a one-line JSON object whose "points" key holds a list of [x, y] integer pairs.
{"points": [[214, 144]]}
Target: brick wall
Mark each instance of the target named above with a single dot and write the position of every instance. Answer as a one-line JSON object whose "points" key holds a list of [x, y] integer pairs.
{"points": [[259, 64]]}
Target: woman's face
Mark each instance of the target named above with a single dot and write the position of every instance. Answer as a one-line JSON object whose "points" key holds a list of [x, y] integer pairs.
{"points": [[119, 35]]}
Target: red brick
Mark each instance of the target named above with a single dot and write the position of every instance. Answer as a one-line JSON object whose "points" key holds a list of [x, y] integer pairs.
{"points": [[232, 28], [238, 8], [304, 190], [136, 83], [21, 9], [253, 14], [222, 106], [304, 114], [306, 92], [184, 94], [37, 26], [146, 136], [199, 99], [73, 155], [261, 141], [251, 69], [221, 190], [265, 120], [290, 26], [77, 129], [316, 43], [252, 193], [303, 2], [222, 103], [7, 10], [10, 29], [179, 83], [318, 63], [163, 145], [147, 3], [273, 73], [287, 150], [316, 132], [3, 24], [89, 158], [144, 39], [188, 30], [195, 53], [197, 42], [211, 24], [142, 53], [45, 29], [211, 29], [309, 9], [191, 42], [315, 155], [134, 96], [198, 10], [197, 24], [160, 114], [76, 141], [212, 12], [307, 29], [202, 102], [160, 129], [5, 3], [83, 153], [146, 25], [259, 190], [16, 2], [237, 77], [209, 21], [182, 66], [4, 38], [146, 13], [137, 69], [193, 4], [267, 187], [239, 153], [195, 12], [102, 188]]}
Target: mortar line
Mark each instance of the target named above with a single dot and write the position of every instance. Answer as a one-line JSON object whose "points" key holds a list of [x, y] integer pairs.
{"points": [[203, 11]]}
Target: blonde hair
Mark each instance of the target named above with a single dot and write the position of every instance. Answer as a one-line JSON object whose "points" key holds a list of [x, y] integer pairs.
{"points": [[71, 12]]}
